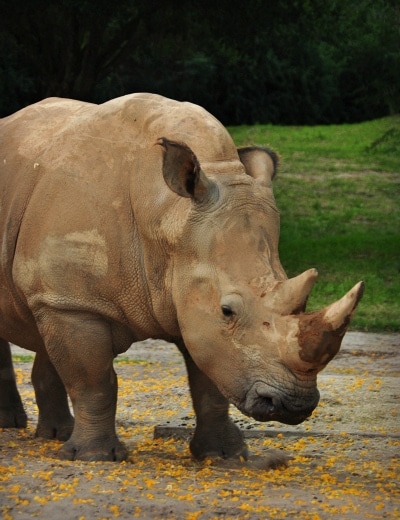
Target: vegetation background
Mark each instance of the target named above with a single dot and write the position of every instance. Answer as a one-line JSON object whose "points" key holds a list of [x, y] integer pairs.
{"points": [[259, 61], [318, 81]]}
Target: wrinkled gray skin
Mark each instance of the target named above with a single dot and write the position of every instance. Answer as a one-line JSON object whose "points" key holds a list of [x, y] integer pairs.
{"points": [[139, 218]]}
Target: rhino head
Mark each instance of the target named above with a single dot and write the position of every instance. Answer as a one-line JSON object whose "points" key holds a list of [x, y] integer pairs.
{"points": [[242, 320]]}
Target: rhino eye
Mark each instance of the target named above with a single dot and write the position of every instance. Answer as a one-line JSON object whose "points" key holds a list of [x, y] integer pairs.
{"points": [[227, 311]]}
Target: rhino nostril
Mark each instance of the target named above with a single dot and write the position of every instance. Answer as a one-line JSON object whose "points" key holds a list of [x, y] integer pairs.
{"points": [[265, 407], [270, 404], [267, 404], [276, 404]]}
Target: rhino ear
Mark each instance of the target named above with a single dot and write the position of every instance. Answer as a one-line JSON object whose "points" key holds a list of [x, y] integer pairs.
{"points": [[260, 163], [182, 173]]}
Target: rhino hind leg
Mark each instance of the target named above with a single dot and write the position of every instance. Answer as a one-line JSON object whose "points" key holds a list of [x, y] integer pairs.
{"points": [[215, 434], [12, 413], [55, 419]]}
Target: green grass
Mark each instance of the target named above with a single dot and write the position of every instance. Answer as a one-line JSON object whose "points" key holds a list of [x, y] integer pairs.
{"points": [[18, 358], [338, 191]]}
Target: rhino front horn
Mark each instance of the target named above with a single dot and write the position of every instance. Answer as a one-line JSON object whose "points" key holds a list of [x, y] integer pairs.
{"points": [[321, 332]]}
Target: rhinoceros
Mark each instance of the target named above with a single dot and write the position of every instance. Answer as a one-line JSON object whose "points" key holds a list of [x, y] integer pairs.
{"points": [[140, 218]]}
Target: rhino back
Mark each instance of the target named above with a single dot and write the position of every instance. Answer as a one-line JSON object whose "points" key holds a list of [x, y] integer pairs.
{"points": [[151, 116]]}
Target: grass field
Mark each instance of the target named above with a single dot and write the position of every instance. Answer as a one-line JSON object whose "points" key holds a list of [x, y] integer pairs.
{"points": [[338, 191]]}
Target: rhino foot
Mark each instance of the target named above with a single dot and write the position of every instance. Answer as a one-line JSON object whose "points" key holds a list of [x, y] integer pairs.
{"points": [[61, 431], [222, 440], [12, 413], [96, 450], [13, 417]]}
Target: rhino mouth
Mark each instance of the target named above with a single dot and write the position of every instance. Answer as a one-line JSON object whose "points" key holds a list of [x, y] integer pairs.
{"points": [[264, 403]]}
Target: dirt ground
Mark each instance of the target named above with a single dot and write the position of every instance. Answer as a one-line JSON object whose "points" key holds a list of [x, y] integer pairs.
{"points": [[344, 461]]}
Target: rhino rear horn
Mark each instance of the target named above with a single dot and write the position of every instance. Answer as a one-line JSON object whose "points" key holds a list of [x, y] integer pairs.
{"points": [[321, 332], [290, 296], [182, 173]]}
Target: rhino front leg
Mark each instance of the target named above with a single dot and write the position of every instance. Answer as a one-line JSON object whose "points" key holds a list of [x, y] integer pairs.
{"points": [[81, 350], [55, 419], [215, 433], [12, 413]]}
